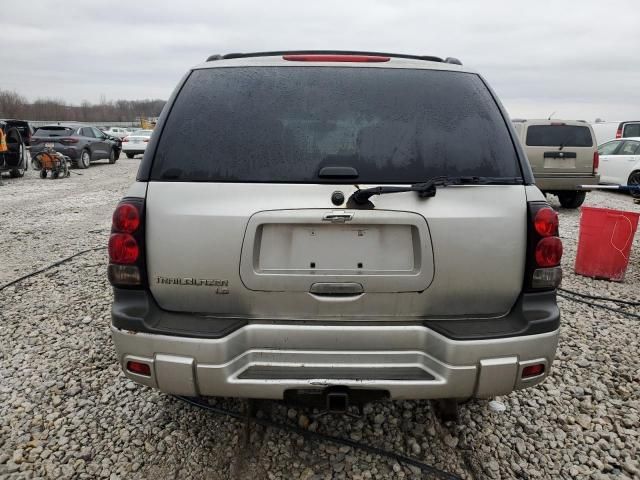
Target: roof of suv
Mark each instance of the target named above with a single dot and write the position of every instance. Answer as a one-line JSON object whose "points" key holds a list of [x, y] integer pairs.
{"points": [[396, 60]]}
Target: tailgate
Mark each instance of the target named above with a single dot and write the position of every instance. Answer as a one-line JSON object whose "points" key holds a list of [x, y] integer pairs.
{"points": [[283, 251]]}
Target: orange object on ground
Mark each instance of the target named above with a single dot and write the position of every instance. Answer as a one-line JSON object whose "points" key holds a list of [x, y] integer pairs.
{"points": [[3, 142], [604, 244]]}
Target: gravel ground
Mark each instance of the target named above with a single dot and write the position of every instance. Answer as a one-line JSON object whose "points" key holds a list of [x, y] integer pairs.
{"points": [[66, 411]]}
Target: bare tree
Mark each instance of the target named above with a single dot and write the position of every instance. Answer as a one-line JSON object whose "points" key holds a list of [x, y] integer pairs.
{"points": [[13, 105]]}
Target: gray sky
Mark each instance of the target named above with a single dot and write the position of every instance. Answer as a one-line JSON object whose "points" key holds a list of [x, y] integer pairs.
{"points": [[578, 58]]}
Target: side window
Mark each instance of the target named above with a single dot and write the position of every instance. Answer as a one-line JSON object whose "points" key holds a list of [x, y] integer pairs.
{"points": [[86, 132], [631, 130], [96, 133], [629, 148], [609, 148]]}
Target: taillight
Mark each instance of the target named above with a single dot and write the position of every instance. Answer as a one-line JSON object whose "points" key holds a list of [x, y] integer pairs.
{"points": [[126, 218], [123, 248], [619, 132], [126, 245], [596, 161], [546, 222], [549, 252], [68, 140], [544, 248], [335, 58]]}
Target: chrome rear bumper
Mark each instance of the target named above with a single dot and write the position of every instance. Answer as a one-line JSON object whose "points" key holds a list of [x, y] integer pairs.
{"points": [[263, 360]]}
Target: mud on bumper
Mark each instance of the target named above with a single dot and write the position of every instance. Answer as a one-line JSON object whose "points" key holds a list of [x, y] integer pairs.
{"points": [[449, 358]]}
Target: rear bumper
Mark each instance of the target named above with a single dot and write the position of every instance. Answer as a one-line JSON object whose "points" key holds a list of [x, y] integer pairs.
{"points": [[551, 183], [263, 359], [127, 148]]}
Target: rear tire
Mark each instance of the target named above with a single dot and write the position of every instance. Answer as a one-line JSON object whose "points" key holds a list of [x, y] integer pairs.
{"points": [[43, 173], [130, 155], [84, 160], [634, 179], [571, 199], [16, 172]]}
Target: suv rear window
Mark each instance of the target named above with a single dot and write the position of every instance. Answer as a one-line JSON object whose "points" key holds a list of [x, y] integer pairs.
{"points": [[53, 132], [283, 124], [631, 130], [556, 135]]}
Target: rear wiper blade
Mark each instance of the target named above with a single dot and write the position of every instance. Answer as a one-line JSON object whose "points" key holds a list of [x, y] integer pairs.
{"points": [[428, 189]]}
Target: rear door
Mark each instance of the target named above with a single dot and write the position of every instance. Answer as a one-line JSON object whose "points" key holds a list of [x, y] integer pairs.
{"points": [[560, 149], [623, 161], [608, 160], [241, 211], [51, 136], [102, 142]]}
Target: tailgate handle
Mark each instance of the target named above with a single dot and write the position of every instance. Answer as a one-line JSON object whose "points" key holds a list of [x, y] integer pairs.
{"points": [[336, 289], [338, 216]]}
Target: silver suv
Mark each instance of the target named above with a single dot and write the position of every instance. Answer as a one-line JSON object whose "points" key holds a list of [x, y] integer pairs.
{"points": [[343, 225]]}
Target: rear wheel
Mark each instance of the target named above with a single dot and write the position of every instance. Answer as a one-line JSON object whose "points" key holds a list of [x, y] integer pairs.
{"points": [[130, 155], [43, 173], [16, 172], [571, 199], [634, 180], [84, 160]]}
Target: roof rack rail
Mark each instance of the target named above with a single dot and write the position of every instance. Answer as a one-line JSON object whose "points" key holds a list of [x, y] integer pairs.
{"points": [[428, 58]]}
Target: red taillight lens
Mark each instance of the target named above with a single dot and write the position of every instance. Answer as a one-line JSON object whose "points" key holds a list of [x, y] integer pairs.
{"points": [[596, 161], [139, 368], [126, 218], [123, 248], [549, 252], [533, 370], [546, 222], [335, 58], [619, 133], [68, 140]]}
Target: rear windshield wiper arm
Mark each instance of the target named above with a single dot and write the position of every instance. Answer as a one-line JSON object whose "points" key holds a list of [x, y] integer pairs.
{"points": [[428, 189]]}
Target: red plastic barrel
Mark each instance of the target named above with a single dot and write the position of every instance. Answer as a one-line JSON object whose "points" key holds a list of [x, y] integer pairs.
{"points": [[605, 242]]}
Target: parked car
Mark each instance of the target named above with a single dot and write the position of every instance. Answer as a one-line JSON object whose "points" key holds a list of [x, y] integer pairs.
{"points": [[620, 161], [562, 154], [83, 144], [628, 129], [119, 132], [15, 158], [136, 143], [334, 225]]}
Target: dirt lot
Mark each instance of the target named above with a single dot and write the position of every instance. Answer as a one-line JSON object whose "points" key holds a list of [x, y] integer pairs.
{"points": [[66, 411]]}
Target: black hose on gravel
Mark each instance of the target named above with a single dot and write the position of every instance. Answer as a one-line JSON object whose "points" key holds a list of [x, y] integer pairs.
{"points": [[49, 267], [597, 297], [435, 472], [599, 305]]}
